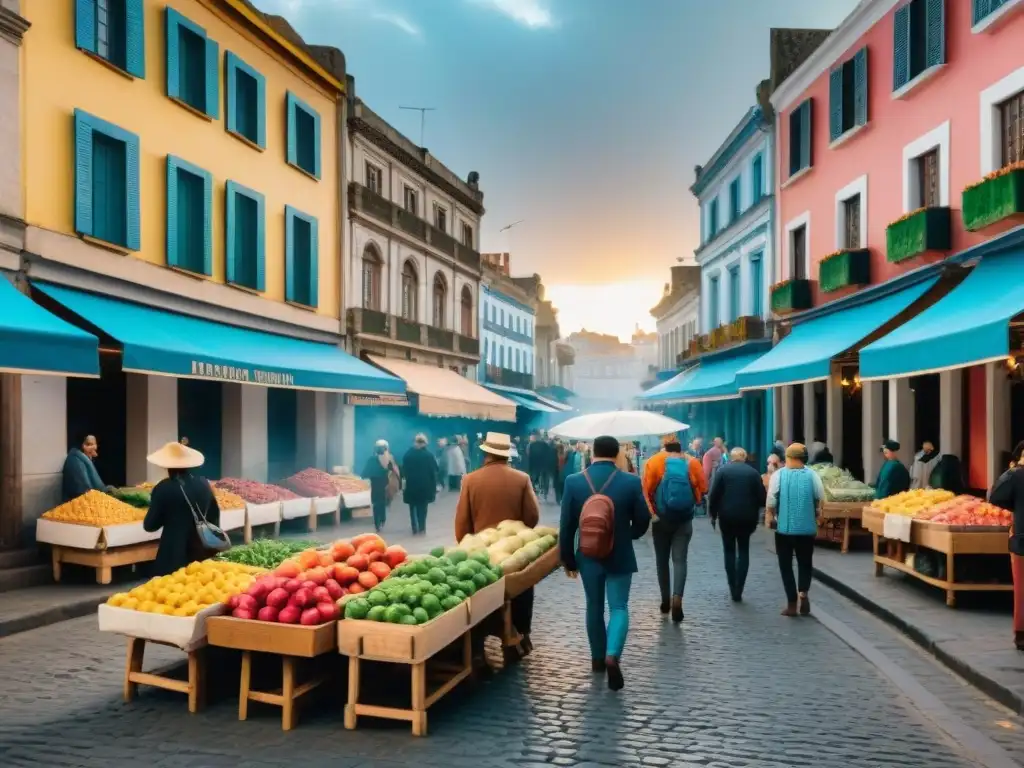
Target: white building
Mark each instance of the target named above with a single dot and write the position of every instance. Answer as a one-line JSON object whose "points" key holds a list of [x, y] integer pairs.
{"points": [[507, 326], [677, 315]]}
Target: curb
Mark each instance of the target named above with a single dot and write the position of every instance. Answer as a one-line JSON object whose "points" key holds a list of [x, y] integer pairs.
{"points": [[52, 615], [986, 684]]}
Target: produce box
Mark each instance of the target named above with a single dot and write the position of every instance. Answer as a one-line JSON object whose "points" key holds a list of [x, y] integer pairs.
{"points": [[518, 582], [185, 632], [293, 509], [356, 499], [405, 643], [129, 533], [91, 537], [264, 514], [486, 601], [326, 505], [232, 519], [268, 637], [931, 524], [872, 520], [842, 509]]}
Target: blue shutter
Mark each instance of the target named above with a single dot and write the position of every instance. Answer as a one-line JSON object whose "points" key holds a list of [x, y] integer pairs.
{"points": [[935, 23], [207, 223], [133, 206], [229, 229], [135, 38], [173, 59], [901, 48], [231, 86], [85, 25], [860, 87], [212, 79], [261, 110], [314, 262], [293, 147], [835, 103], [806, 137], [83, 173], [261, 240], [172, 212], [289, 253], [316, 144]]}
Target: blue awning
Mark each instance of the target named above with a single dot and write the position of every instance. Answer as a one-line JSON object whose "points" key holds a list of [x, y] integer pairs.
{"points": [[34, 341], [551, 406], [157, 341], [968, 326], [557, 392], [667, 388], [529, 404], [713, 379], [806, 354]]}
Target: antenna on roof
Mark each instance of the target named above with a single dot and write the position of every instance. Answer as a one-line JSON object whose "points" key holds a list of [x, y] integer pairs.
{"points": [[423, 118]]}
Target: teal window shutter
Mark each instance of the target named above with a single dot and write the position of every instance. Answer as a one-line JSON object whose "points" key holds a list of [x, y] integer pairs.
{"points": [[292, 143], [189, 214], [246, 100], [231, 90], [85, 25], [314, 262], [901, 48], [171, 17], [303, 140], [135, 38], [261, 110], [83, 174], [289, 253], [860, 87], [230, 257], [261, 242], [207, 223], [133, 203], [212, 79], [245, 236], [983, 8], [806, 126], [935, 21], [172, 212], [835, 103], [316, 144]]}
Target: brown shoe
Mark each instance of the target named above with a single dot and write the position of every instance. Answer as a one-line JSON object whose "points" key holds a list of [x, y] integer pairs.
{"points": [[789, 610], [805, 605]]}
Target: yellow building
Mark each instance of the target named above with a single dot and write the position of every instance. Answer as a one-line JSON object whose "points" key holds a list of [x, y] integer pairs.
{"points": [[182, 221]]}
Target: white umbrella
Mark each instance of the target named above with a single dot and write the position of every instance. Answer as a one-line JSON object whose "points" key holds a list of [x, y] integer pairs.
{"points": [[625, 424]]}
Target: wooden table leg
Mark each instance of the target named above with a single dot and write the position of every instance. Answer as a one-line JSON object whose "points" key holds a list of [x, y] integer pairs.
{"points": [[55, 556], [419, 699], [336, 517], [287, 693], [353, 693], [196, 680], [950, 580], [312, 520], [243, 688], [247, 531], [104, 574], [133, 664], [878, 565]]}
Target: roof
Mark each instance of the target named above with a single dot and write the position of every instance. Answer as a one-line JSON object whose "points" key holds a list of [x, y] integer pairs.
{"points": [[749, 125]]}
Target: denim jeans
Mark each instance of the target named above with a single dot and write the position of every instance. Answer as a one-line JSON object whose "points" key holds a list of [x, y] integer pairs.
{"points": [[418, 517], [671, 541], [736, 546], [598, 584]]}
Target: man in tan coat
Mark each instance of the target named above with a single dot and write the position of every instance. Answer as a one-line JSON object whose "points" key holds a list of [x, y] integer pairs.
{"points": [[491, 494]]}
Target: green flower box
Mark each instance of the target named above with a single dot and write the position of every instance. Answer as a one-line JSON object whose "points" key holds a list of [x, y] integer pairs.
{"points": [[921, 232], [791, 296], [843, 269], [996, 203]]}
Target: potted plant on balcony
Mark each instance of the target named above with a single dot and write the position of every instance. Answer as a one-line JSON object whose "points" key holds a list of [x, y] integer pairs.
{"points": [[843, 268], [926, 230], [996, 203], [791, 295]]}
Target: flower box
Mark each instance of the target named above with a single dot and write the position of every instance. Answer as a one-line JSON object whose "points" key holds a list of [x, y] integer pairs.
{"points": [[922, 231], [843, 269], [791, 296], [996, 203]]}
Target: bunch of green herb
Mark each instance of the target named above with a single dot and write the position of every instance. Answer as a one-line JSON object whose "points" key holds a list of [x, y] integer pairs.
{"points": [[265, 553]]}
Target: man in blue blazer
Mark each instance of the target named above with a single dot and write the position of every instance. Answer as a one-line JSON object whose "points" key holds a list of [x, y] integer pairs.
{"points": [[613, 575]]}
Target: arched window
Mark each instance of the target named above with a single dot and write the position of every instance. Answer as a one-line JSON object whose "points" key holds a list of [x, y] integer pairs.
{"points": [[410, 286], [467, 325], [440, 296], [372, 264]]}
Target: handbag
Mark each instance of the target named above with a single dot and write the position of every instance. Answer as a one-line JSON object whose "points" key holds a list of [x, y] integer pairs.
{"points": [[211, 537]]}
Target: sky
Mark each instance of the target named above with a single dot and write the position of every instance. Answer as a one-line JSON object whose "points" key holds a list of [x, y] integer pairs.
{"points": [[584, 118]]}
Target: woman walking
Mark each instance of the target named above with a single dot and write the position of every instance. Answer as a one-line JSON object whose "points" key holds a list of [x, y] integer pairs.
{"points": [[736, 499], [419, 469], [795, 496], [381, 471], [1008, 493], [456, 460]]}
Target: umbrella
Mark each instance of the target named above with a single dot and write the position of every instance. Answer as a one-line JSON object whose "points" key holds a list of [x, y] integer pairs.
{"points": [[625, 424]]}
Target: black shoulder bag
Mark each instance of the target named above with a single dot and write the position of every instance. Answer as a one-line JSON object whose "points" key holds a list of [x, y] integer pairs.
{"points": [[211, 537]]}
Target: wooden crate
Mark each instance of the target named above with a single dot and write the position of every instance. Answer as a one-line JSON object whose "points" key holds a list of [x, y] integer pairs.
{"points": [[520, 581], [845, 512], [103, 560], [486, 601]]}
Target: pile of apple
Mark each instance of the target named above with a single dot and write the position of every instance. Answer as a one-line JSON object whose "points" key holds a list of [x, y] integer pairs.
{"points": [[306, 589]]}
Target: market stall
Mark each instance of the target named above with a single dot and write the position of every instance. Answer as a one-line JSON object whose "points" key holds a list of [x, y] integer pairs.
{"points": [[845, 497], [264, 501]]}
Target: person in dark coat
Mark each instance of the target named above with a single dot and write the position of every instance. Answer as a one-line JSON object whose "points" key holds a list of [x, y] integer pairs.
{"points": [[893, 477], [174, 504], [419, 468], [80, 474], [736, 498], [1008, 493], [822, 456], [378, 471]]}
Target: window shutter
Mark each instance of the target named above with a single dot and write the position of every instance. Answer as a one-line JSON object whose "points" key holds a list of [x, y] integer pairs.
{"points": [[207, 223], [316, 144], [83, 174], [172, 212], [261, 110], [806, 125], [212, 79], [982, 8], [229, 230], [293, 149], [261, 242], [85, 25], [860, 87], [231, 86], [901, 48], [289, 253], [835, 103], [173, 65], [314, 259], [135, 38], [935, 21], [132, 200]]}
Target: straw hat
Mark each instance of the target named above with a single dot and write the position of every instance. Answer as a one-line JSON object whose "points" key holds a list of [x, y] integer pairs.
{"points": [[176, 456], [497, 444]]}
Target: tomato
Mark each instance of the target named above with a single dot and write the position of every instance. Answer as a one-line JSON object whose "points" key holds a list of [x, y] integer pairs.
{"points": [[359, 562], [367, 580], [395, 555], [342, 550], [380, 569]]}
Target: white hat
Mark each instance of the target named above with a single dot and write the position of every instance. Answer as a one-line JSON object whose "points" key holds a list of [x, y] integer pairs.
{"points": [[497, 444], [176, 456]]}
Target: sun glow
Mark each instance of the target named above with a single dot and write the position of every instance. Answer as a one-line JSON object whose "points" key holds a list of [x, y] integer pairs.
{"points": [[613, 308]]}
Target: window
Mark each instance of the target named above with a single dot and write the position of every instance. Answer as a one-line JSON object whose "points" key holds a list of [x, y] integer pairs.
{"points": [[114, 31], [487, 351], [301, 256], [851, 223], [848, 95], [755, 285], [502, 315], [372, 267], [246, 237], [919, 40], [928, 179], [1011, 114], [192, 73], [714, 317], [106, 181], [303, 135], [734, 293], [410, 200], [757, 179], [440, 217], [410, 286], [713, 219], [467, 235], [798, 253], [440, 294], [734, 200], [247, 101], [374, 178], [466, 319], [800, 136], [516, 363], [983, 9], [189, 217]]}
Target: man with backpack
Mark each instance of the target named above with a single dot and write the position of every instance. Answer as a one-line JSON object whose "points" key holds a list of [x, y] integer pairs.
{"points": [[606, 508], [674, 486]]}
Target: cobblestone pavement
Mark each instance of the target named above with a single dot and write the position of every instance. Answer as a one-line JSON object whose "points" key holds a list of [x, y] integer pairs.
{"points": [[736, 686]]}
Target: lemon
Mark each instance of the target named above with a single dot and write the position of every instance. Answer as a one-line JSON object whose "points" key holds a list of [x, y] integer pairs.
{"points": [[130, 604], [147, 606], [118, 599]]}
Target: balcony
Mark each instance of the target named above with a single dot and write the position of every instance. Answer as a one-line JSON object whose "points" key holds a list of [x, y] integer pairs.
{"points": [[926, 230], [441, 240], [439, 338], [369, 202], [996, 203], [467, 256], [740, 330], [368, 321], [468, 345], [408, 331], [843, 269], [506, 378], [791, 296], [410, 223]]}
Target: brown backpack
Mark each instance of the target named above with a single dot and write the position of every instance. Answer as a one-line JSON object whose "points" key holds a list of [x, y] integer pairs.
{"points": [[597, 521]]}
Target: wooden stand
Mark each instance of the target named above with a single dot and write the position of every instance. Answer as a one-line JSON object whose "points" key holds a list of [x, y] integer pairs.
{"points": [[285, 698], [195, 686], [315, 514], [841, 514], [103, 560], [511, 640]]}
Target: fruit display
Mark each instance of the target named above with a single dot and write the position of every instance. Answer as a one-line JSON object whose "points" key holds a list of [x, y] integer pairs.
{"points": [[511, 544], [312, 484], [136, 497], [253, 492], [188, 590], [95, 508], [265, 553], [912, 503], [841, 486], [350, 484], [226, 499], [968, 511], [423, 589]]}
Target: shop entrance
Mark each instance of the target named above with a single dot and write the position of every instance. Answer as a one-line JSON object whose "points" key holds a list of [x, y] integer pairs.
{"points": [[97, 407], [200, 420], [1016, 412], [819, 430], [799, 428], [927, 413], [282, 433], [853, 434]]}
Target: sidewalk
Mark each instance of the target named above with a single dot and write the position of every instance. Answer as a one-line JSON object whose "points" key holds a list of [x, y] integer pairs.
{"points": [[975, 639]]}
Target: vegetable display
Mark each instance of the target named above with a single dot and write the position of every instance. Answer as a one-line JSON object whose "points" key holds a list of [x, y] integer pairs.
{"points": [[511, 544], [226, 499], [253, 492], [968, 511], [350, 484], [265, 553], [423, 589], [136, 497], [312, 483], [841, 486], [97, 509], [188, 590]]}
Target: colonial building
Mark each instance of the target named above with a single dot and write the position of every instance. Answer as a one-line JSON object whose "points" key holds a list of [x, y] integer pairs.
{"points": [[677, 317], [508, 323], [607, 372], [554, 358]]}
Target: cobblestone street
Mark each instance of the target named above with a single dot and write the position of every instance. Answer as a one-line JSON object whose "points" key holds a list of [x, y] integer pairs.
{"points": [[735, 686]]}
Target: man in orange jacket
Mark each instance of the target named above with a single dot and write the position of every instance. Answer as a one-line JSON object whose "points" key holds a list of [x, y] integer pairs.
{"points": [[654, 471]]}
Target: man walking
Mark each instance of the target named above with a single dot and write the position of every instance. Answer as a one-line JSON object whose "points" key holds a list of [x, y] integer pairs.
{"points": [[736, 499]]}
